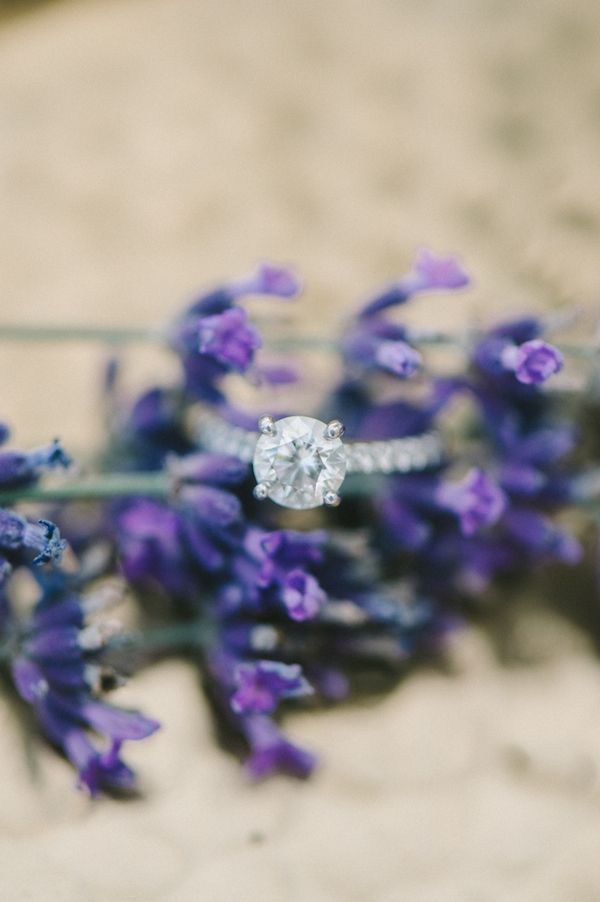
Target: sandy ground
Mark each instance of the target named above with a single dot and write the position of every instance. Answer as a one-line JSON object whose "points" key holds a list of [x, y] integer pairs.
{"points": [[149, 146]]}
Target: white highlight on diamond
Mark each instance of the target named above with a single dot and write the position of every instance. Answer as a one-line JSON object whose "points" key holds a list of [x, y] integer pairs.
{"points": [[299, 463]]}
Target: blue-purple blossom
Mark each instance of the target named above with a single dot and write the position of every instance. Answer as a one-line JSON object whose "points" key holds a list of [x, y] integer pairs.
{"points": [[378, 343], [398, 357], [43, 537], [151, 548], [261, 685], [56, 668], [275, 374], [214, 336], [537, 535], [151, 430], [229, 338], [272, 571], [429, 273], [388, 575], [302, 595], [162, 544], [532, 362], [272, 752], [477, 500], [268, 279], [20, 468], [213, 507]]}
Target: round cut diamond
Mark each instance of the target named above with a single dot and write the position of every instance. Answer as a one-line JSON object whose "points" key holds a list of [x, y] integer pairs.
{"points": [[299, 463]]}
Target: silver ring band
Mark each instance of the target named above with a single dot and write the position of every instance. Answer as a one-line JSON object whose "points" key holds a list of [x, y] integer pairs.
{"points": [[300, 462]]}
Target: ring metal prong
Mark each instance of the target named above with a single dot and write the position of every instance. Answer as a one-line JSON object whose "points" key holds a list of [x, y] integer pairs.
{"points": [[331, 499], [261, 491], [334, 429], [267, 425]]}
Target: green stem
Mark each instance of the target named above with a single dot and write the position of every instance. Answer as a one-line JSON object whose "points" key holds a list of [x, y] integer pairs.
{"points": [[299, 342], [63, 333], [119, 335], [95, 488], [185, 634]]}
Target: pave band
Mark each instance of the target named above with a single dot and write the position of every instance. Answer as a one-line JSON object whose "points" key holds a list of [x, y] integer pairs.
{"points": [[301, 462]]}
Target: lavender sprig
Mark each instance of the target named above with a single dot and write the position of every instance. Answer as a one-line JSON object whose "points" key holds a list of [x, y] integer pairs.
{"points": [[276, 617]]}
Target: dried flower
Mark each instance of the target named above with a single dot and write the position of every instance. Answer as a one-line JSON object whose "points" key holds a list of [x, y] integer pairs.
{"points": [[56, 663], [533, 362], [262, 684]]}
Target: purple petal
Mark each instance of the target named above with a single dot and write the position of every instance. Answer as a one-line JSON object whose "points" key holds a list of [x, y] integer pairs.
{"points": [[269, 279], [271, 751], [398, 357], [302, 595], [477, 500], [429, 272], [215, 507], [276, 374], [533, 362], [116, 722], [262, 684], [229, 338], [57, 643], [29, 679], [432, 271]]}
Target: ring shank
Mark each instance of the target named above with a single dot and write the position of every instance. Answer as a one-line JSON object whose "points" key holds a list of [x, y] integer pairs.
{"points": [[396, 455]]}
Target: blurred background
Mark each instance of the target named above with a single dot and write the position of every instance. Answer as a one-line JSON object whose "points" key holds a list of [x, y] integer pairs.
{"points": [[149, 147]]}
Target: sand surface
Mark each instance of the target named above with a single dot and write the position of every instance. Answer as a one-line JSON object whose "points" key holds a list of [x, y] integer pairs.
{"points": [[150, 146]]}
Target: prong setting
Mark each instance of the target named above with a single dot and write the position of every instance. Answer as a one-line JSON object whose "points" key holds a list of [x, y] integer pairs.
{"points": [[299, 463], [267, 425], [331, 499], [261, 491], [335, 429]]}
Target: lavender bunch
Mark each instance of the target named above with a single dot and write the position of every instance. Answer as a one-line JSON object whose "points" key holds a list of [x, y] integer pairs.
{"points": [[53, 655], [495, 516], [276, 616]]}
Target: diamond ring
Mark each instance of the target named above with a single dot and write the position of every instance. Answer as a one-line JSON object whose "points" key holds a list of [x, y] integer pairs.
{"points": [[301, 462]]}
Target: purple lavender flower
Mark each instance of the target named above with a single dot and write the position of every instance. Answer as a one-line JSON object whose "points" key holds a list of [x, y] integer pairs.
{"points": [[271, 751], [270, 595], [17, 534], [268, 279], [214, 337], [540, 538], [429, 272], [477, 500], [151, 547], [19, 468], [56, 668], [270, 571], [152, 429], [398, 357], [282, 559], [261, 685], [229, 339], [516, 349], [532, 362], [212, 507], [170, 546], [302, 595], [377, 343]]}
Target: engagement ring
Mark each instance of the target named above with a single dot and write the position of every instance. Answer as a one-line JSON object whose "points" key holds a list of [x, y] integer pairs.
{"points": [[301, 462]]}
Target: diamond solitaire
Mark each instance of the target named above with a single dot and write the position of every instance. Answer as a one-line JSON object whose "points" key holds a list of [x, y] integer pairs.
{"points": [[299, 462]]}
